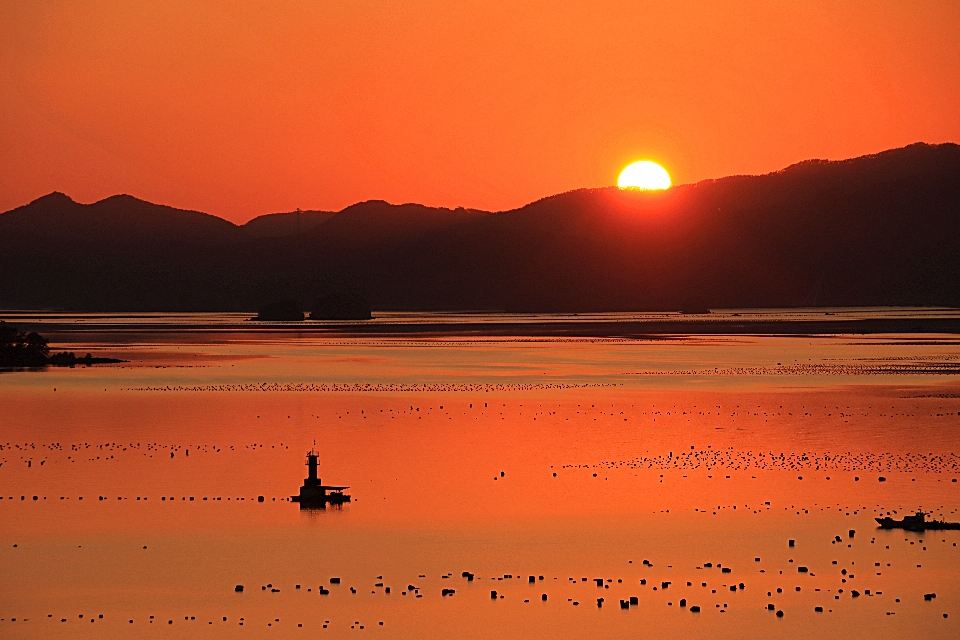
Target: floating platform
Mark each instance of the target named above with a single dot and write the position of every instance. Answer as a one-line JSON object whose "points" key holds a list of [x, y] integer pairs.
{"points": [[313, 494], [320, 496]]}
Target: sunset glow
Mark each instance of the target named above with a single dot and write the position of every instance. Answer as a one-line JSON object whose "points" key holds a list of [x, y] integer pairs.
{"points": [[322, 317], [245, 108], [644, 175]]}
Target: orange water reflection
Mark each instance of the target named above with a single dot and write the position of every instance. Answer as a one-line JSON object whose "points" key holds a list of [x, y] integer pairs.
{"points": [[685, 468]]}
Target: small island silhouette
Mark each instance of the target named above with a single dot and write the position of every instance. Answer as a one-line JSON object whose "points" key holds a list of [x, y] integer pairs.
{"points": [[20, 349]]}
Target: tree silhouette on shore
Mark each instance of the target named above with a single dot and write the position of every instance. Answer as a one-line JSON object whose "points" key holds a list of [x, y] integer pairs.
{"points": [[22, 349], [30, 349]]}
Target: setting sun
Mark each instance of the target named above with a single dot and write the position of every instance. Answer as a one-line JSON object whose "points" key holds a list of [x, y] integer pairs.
{"points": [[644, 175]]}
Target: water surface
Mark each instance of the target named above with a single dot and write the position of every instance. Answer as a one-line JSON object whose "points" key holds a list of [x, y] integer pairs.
{"points": [[525, 455]]}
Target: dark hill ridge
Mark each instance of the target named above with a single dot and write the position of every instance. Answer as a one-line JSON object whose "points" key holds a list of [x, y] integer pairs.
{"points": [[123, 218], [277, 225], [876, 230], [56, 217]]}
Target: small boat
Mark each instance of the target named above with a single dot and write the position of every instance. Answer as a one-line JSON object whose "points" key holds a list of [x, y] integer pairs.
{"points": [[916, 522]]}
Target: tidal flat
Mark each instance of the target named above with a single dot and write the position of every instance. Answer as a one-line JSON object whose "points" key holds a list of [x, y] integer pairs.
{"points": [[505, 483]]}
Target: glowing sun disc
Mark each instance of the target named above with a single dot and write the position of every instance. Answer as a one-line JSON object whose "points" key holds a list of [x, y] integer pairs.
{"points": [[644, 175]]}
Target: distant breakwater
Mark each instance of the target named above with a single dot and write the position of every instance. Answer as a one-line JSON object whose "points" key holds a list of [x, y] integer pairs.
{"points": [[368, 387], [937, 368]]}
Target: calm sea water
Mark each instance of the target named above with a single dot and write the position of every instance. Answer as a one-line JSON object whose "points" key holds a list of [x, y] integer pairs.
{"points": [[568, 460]]}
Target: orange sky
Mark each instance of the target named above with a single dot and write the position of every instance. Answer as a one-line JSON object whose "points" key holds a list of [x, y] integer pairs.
{"points": [[243, 108]]}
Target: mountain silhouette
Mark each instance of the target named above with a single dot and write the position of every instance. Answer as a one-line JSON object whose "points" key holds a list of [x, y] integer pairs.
{"points": [[876, 230]]}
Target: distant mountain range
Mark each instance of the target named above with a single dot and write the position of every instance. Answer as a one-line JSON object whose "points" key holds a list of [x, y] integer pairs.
{"points": [[877, 230]]}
